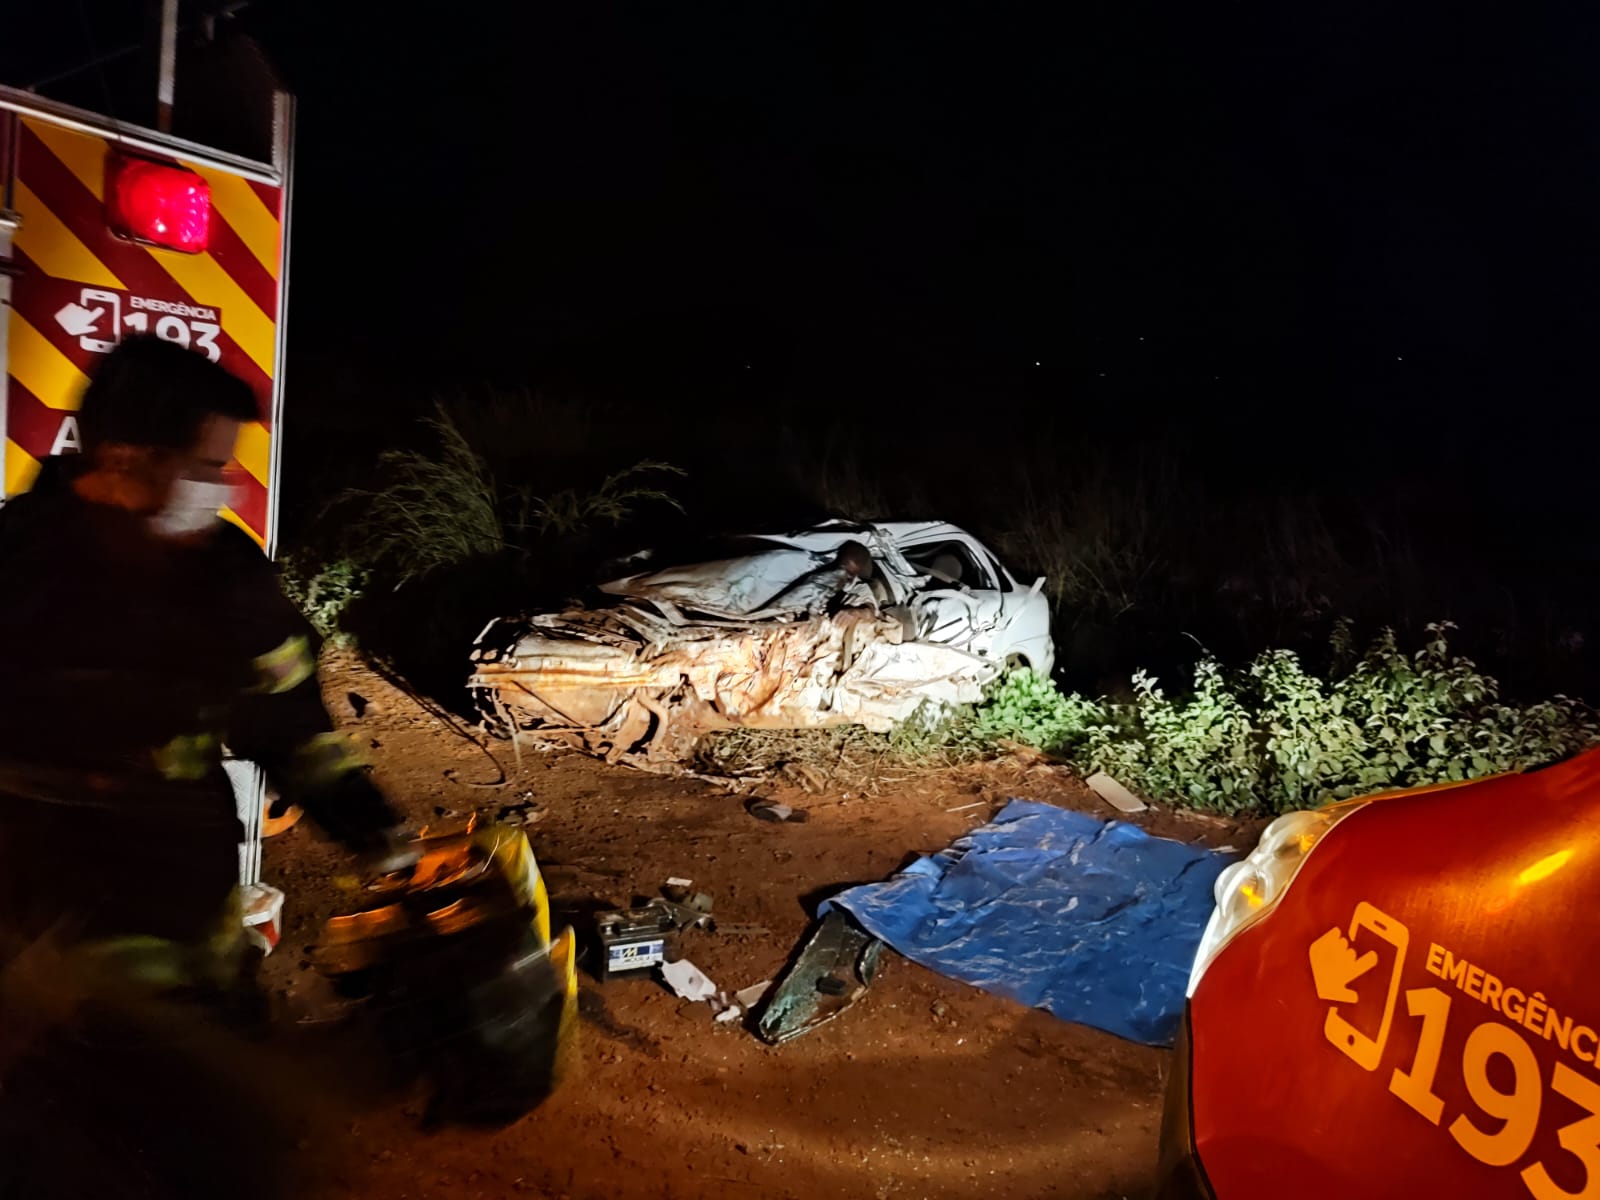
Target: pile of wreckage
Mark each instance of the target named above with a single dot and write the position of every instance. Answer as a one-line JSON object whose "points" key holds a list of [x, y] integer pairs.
{"points": [[838, 624]]}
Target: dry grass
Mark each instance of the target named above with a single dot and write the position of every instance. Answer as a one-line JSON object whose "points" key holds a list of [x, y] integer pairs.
{"points": [[1097, 536], [842, 757]]}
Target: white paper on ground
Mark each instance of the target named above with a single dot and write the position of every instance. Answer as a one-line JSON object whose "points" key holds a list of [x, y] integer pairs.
{"points": [[1114, 794], [688, 981]]}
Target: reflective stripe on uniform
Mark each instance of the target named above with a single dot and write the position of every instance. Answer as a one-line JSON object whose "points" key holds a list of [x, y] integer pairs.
{"points": [[320, 761], [188, 757], [162, 965], [284, 668]]}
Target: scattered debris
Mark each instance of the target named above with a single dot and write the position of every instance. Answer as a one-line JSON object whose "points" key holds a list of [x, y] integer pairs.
{"points": [[743, 1001], [751, 996], [687, 981], [818, 761], [263, 916], [525, 812], [964, 807], [771, 810], [836, 964], [806, 776], [1025, 754], [635, 939], [1114, 794]]}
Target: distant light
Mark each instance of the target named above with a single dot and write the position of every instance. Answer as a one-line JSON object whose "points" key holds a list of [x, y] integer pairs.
{"points": [[1397, 358], [1036, 363]]}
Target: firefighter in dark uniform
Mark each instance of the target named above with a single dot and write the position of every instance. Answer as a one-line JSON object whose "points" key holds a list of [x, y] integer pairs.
{"points": [[141, 636]]}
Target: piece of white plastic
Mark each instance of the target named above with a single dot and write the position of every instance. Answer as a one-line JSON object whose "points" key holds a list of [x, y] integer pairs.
{"points": [[749, 997], [263, 916], [688, 981], [1114, 794]]}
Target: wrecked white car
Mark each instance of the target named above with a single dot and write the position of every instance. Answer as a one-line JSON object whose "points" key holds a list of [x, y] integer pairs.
{"points": [[838, 624]]}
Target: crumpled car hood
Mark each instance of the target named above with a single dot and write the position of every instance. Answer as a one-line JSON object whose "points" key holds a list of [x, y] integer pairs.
{"points": [[626, 683], [760, 585], [759, 640]]}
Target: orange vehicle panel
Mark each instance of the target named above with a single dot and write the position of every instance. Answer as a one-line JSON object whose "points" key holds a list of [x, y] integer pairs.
{"points": [[1418, 1015], [78, 287]]}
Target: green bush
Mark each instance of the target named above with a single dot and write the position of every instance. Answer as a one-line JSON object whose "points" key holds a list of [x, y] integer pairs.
{"points": [[323, 591], [1026, 707], [1274, 737], [1202, 751]]}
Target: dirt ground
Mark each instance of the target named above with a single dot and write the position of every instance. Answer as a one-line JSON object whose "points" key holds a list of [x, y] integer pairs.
{"points": [[926, 1088]]}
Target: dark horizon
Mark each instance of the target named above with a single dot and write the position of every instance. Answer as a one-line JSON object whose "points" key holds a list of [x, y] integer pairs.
{"points": [[1360, 193], [1324, 247]]}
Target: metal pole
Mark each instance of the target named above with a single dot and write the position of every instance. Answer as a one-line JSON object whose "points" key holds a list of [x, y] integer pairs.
{"points": [[168, 65]]}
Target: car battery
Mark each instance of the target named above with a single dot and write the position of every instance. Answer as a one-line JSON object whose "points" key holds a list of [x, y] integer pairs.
{"points": [[636, 939]]}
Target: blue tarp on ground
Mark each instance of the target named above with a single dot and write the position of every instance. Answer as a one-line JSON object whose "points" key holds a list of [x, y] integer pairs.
{"points": [[1096, 922]]}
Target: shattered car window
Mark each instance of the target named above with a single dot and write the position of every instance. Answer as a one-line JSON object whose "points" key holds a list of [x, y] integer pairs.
{"points": [[1001, 577], [950, 563]]}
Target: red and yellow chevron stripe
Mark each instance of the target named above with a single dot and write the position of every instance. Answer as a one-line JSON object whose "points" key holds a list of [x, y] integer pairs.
{"points": [[66, 254]]}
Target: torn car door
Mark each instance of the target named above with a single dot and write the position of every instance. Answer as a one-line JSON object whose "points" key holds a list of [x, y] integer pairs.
{"points": [[962, 603]]}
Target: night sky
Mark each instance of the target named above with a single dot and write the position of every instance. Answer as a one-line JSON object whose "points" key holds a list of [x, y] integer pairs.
{"points": [[1273, 221], [993, 187]]}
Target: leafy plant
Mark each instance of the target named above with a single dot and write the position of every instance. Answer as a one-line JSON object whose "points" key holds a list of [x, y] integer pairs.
{"points": [[1201, 751], [571, 511], [1274, 737], [435, 509], [323, 591], [442, 507], [1026, 707]]}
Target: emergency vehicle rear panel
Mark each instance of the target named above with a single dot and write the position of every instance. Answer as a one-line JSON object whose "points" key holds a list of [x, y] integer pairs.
{"points": [[88, 204]]}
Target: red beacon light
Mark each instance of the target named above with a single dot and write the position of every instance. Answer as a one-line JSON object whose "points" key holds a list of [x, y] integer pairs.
{"points": [[159, 203]]}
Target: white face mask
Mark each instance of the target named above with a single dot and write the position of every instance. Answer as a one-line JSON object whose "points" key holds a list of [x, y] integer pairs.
{"points": [[191, 508]]}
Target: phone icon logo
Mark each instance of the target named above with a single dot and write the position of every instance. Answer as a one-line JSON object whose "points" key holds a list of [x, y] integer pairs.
{"points": [[1347, 975], [95, 319]]}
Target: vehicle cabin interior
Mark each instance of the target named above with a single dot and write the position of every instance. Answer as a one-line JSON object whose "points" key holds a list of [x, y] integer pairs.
{"points": [[951, 564]]}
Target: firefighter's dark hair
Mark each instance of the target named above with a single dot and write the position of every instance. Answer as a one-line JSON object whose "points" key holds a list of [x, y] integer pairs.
{"points": [[152, 392]]}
